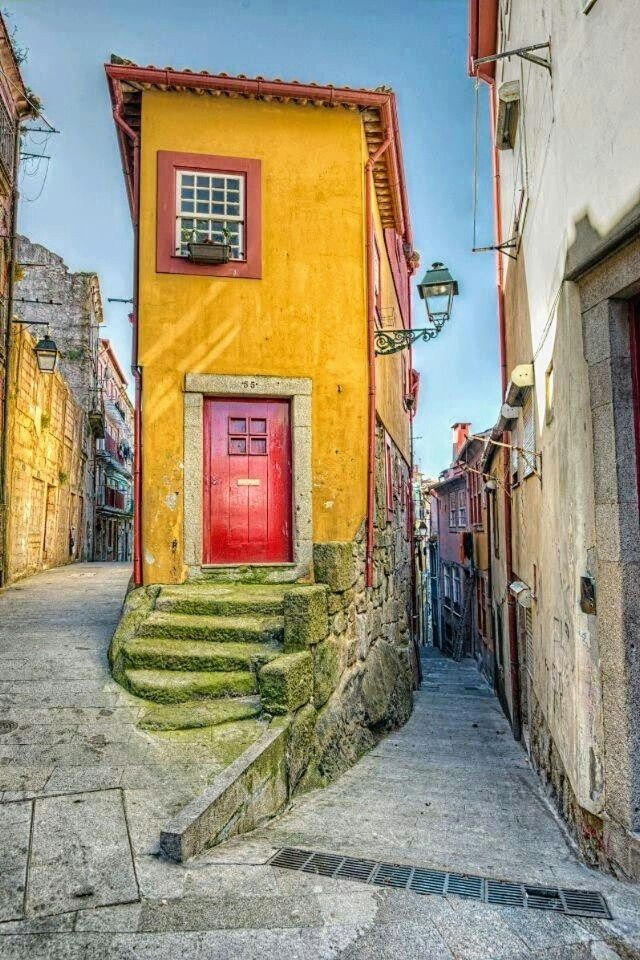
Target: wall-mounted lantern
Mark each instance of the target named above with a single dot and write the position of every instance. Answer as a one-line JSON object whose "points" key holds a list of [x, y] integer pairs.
{"points": [[437, 288], [47, 354]]}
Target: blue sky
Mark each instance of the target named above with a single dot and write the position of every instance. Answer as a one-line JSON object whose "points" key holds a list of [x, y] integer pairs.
{"points": [[418, 47]]}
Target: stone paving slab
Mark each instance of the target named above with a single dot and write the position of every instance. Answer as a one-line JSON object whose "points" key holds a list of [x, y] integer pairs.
{"points": [[15, 829], [80, 854]]}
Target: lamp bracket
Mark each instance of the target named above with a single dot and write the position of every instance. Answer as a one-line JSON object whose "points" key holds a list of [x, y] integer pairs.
{"points": [[525, 53], [503, 247], [392, 341]]}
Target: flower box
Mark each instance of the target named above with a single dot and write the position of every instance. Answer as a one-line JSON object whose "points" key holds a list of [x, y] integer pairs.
{"points": [[209, 252]]}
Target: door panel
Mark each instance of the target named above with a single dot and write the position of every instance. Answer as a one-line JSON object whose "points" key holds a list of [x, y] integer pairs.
{"points": [[247, 481]]}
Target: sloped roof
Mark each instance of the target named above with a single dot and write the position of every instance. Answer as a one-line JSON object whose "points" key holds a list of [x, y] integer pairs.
{"points": [[128, 80]]}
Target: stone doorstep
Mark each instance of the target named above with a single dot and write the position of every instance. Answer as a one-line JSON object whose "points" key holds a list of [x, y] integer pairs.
{"points": [[230, 797]]}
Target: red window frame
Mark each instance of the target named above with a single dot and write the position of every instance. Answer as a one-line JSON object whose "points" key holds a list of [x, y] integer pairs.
{"points": [[169, 163]]}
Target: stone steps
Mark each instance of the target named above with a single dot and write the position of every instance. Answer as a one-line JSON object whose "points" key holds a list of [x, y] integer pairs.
{"points": [[178, 686], [222, 599], [213, 629], [160, 653], [193, 714]]}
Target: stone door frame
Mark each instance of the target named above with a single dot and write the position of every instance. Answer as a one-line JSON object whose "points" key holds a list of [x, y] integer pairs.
{"points": [[298, 390]]}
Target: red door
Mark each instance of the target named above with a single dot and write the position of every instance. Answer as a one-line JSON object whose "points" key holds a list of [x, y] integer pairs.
{"points": [[247, 481]]}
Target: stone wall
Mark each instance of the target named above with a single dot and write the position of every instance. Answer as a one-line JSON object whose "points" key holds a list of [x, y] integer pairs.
{"points": [[48, 453], [361, 657], [74, 321]]}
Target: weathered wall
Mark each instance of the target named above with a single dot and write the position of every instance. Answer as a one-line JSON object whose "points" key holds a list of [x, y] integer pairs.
{"points": [[74, 320], [305, 317], [362, 670], [48, 452], [565, 188]]}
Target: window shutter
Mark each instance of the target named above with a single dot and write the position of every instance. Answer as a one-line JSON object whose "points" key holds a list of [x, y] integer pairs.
{"points": [[528, 434]]}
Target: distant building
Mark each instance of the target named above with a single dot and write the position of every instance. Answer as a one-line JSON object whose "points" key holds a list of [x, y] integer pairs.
{"points": [[114, 458], [459, 553], [70, 433]]}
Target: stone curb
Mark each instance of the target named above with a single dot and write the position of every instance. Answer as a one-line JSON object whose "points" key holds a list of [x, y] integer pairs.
{"points": [[250, 790]]}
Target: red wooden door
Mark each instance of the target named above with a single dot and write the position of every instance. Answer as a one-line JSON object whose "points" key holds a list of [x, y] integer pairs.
{"points": [[247, 481]]}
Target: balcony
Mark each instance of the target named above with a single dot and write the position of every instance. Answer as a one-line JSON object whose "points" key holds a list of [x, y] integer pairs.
{"points": [[117, 454]]}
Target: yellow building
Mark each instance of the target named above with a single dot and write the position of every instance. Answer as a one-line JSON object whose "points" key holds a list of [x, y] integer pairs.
{"points": [[273, 452], [317, 218]]}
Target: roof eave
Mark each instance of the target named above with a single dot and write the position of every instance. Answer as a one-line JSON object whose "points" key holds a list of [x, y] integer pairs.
{"points": [[384, 101]]}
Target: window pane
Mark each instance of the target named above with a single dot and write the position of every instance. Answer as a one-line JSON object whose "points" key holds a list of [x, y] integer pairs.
{"points": [[202, 194], [217, 182], [237, 445], [237, 425], [187, 179], [233, 183], [187, 193], [233, 209], [258, 445], [186, 206], [258, 425], [202, 181], [201, 207]]}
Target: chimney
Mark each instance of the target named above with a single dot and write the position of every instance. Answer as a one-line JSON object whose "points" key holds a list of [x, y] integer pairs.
{"points": [[460, 434]]}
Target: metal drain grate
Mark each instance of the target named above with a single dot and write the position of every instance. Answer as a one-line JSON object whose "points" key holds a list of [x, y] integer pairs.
{"points": [[577, 903]]}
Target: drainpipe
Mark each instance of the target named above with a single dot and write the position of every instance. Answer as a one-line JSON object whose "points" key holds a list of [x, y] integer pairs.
{"points": [[516, 721], [134, 197], [5, 452], [371, 359]]}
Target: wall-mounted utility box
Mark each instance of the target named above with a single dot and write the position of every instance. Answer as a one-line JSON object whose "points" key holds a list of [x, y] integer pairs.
{"points": [[508, 111]]}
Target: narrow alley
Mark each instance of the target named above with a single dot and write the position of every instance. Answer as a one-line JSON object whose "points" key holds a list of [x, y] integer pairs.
{"points": [[450, 790]]}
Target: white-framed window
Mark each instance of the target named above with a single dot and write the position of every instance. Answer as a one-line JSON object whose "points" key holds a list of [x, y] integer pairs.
{"points": [[456, 585], [210, 206], [453, 509], [446, 580], [462, 508]]}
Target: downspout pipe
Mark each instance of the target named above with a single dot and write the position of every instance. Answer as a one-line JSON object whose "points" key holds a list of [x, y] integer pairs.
{"points": [[371, 360], [133, 189]]}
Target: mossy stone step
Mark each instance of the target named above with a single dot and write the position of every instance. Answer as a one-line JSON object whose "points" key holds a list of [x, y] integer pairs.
{"points": [[213, 629], [222, 599], [194, 714], [159, 653], [177, 686]]}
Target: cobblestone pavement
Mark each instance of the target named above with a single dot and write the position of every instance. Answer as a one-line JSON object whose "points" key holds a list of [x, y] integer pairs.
{"points": [[84, 793]]}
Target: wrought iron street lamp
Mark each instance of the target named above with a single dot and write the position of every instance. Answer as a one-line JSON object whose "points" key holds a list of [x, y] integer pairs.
{"points": [[47, 354], [46, 349], [437, 288]]}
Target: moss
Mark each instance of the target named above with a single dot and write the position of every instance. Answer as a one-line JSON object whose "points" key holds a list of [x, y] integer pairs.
{"points": [[327, 667], [334, 565], [179, 626], [159, 654], [196, 714], [224, 744], [136, 608], [301, 743], [222, 599], [305, 617], [286, 683], [176, 686]]}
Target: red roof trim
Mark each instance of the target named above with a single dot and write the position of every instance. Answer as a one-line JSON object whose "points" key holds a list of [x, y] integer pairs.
{"points": [[483, 36], [108, 349], [384, 101]]}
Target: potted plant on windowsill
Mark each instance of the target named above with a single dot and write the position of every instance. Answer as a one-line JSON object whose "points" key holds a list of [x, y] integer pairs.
{"points": [[208, 251]]}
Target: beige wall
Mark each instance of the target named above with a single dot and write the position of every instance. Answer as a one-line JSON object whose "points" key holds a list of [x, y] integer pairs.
{"points": [[48, 456]]}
